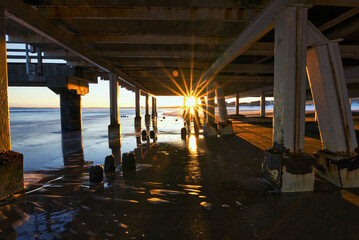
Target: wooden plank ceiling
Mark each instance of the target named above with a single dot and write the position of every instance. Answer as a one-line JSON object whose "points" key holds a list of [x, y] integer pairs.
{"points": [[164, 45]]}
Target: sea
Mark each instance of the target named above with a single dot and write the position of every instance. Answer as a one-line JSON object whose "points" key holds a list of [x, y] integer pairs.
{"points": [[36, 133]]}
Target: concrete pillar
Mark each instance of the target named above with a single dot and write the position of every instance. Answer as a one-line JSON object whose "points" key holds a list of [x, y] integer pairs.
{"points": [[330, 95], [286, 166], [210, 103], [222, 108], [224, 127], [210, 127], [153, 107], [263, 105], [11, 173], [154, 114], [203, 105], [237, 104], [147, 116], [70, 105], [114, 129], [289, 78], [72, 149], [5, 142], [339, 162], [138, 109]]}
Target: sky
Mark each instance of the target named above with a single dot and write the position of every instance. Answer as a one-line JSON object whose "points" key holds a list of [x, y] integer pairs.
{"points": [[98, 95]]}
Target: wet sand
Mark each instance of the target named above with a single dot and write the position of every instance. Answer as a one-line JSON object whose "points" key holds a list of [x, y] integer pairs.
{"points": [[194, 189]]}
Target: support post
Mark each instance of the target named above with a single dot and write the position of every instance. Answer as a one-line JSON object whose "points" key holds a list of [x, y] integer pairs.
{"points": [[153, 107], [210, 127], [204, 106], [225, 126], [263, 105], [147, 116], [70, 105], [12, 172], [285, 166], [5, 142], [237, 104], [114, 129], [138, 109], [339, 162], [154, 114]]}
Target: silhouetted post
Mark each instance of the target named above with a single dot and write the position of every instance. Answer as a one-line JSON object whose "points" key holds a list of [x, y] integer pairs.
{"points": [[237, 104], [263, 105], [70, 106], [147, 116], [138, 109], [114, 129]]}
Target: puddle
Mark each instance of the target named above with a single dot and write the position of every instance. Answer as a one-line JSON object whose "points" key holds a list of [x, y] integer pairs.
{"points": [[206, 205], [164, 192], [157, 200]]}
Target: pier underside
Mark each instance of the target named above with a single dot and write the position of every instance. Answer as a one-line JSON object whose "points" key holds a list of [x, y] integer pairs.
{"points": [[291, 50]]}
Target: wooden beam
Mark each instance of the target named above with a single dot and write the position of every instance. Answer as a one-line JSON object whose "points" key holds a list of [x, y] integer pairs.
{"points": [[344, 31], [148, 13], [259, 49], [30, 18], [339, 19], [259, 27], [131, 39], [339, 3]]}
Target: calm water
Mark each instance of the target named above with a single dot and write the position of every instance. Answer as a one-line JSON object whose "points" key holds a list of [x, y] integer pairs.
{"points": [[36, 133]]}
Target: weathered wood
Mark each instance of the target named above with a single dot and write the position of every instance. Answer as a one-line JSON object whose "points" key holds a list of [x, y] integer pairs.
{"points": [[5, 142]]}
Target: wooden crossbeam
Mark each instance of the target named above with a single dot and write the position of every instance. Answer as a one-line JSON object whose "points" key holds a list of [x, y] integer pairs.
{"points": [[30, 18], [151, 13]]}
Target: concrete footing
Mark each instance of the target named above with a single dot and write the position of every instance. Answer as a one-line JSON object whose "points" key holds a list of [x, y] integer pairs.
{"points": [[289, 172], [11, 173], [209, 129], [340, 169], [225, 128]]}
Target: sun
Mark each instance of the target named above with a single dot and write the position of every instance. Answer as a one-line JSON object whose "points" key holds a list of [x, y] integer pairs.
{"points": [[190, 102]]}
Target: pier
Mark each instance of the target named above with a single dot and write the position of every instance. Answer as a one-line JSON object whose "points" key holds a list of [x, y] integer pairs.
{"points": [[218, 163]]}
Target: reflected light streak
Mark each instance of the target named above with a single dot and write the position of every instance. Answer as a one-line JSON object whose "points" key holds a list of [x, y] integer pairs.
{"points": [[192, 143]]}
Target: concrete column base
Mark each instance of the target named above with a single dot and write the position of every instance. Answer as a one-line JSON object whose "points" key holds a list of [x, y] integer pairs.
{"points": [[114, 135], [289, 172], [209, 129], [339, 169], [11, 173], [225, 128], [138, 125]]}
